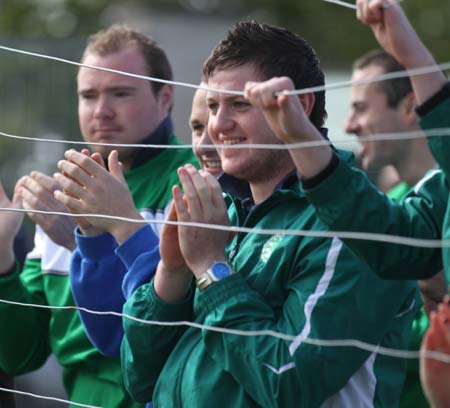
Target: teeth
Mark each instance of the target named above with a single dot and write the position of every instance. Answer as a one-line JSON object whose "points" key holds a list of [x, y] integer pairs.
{"points": [[231, 142], [213, 164]]}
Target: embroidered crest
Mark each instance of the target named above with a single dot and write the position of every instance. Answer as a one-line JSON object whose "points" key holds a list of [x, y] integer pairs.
{"points": [[270, 246]]}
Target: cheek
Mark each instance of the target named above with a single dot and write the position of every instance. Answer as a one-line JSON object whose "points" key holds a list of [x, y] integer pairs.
{"points": [[83, 117], [195, 148]]}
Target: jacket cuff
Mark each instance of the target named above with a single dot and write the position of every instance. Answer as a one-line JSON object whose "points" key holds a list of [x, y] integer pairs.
{"points": [[435, 100], [165, 311], [332, 187], [143, 240], [95, 247], [324, 174], [220, 292]]}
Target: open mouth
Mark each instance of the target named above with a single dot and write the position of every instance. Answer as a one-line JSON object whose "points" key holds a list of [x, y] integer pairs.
{"points": [[211, 164]]}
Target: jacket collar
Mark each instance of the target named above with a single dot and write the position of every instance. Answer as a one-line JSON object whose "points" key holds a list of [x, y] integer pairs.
{"points": [[162, 135]]}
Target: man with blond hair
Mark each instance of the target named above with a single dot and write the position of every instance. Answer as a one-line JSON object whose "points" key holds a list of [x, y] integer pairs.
{"points": [[112, 108]]}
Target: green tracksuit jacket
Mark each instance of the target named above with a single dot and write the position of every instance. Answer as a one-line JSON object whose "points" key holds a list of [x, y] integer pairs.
{"points": [[29, 335], [439, 117], [300, 286], [347, 201]]}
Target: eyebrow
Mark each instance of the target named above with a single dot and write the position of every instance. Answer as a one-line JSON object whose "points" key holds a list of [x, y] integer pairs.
{"points": [[110, 89], [226, 97]]}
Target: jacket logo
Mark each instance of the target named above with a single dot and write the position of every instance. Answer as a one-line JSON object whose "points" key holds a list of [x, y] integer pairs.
{"points": [[270, 246]]}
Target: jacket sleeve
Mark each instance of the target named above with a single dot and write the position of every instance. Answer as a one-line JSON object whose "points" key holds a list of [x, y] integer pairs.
{"points": [[325, 299], [438, 116], [146, 347], [97, 274], [348, 201], [24, 340]]}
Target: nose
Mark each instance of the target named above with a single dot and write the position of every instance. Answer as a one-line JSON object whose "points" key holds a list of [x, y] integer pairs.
{"points": [[204, 138], [220, 121], [350, 126], [103, 108], [204, 144]]}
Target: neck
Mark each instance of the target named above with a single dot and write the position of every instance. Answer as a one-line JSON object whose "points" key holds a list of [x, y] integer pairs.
{"points": [[262, 190], [412, 166]]}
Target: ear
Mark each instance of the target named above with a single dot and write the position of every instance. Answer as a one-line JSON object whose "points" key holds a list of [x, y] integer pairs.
{"points": [[308, 100], [409, 108], [165, 97]]}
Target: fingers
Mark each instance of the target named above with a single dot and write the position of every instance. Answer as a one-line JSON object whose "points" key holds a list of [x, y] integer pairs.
{"points": [[37, 189], [75, 172], [97, 157], [46, 182], [182, 213], [70, 186], [191, 192], [71, 203], [35, 192], [115, 166], [4, 200], [262, 94], [437, 337], [172, 215], [215, 190], [370, 11], [90, 166]]}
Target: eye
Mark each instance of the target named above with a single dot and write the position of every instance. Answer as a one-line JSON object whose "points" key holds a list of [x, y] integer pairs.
{"points": [[198, 128], [241, 104], [213, 106], [359, 107], [122, 94], [87, 95]]}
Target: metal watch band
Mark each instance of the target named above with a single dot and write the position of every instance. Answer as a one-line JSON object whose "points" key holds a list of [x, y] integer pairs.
{"points": [[203, 282]]}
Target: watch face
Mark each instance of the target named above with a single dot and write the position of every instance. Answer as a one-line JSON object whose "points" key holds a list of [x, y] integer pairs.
{"points": [[221, 270]]}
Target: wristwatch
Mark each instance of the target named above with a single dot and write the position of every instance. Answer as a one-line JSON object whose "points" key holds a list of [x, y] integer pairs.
{"points": [[216, 272]]}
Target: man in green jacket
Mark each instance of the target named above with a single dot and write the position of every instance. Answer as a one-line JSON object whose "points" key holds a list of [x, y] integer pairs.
{"points": [[343, 197], [389, 107], [112, 108], [302, 287]]}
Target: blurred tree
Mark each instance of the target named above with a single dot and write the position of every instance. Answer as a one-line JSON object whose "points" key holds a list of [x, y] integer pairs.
{"points": [[333, 29], [51, 18]]}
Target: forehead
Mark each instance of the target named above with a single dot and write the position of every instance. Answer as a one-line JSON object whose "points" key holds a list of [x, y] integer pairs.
{"points": [[199, 105], [127, 60], [367, 74], [233, 79]]}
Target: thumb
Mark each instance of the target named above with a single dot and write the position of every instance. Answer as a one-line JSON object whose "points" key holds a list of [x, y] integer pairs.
{"points": [[17, 201], [115, 166], [3, 195], [172, 215]]}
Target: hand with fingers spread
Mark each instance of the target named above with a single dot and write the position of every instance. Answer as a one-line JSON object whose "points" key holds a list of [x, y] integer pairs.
{"points": [[36, 191], [288, 117], [435, 375], [91, 189], [203, 203], [10, 223]]}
